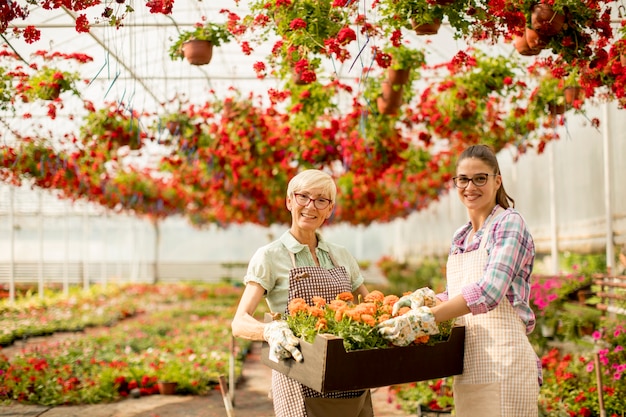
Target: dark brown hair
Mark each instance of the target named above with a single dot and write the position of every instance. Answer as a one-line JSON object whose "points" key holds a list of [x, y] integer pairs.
{"points": [[488, 156]]}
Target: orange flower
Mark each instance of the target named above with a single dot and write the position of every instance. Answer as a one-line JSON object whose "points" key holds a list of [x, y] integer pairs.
{"points": [[352, 314], [337, 305], [339, 314], [374, 296], [368, 319], [316, 311], [390, 300], [345, 296], [366, 308], [318, 301], [383, 317], [296, 305], [421, 339], [321, 324], [403, 310]]}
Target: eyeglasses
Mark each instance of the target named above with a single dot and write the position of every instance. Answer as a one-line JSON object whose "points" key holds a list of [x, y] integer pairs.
{"points": [[319, 203], [479, 180]]}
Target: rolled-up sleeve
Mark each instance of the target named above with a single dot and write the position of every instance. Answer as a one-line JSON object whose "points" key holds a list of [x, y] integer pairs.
{"points": [[507, 273]]}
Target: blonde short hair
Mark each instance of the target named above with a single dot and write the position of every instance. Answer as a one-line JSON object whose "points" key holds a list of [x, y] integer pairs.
{"points": [[313, 178]]}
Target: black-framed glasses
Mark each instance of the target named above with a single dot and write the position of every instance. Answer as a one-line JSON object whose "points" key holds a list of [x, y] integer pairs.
{"points": [[479, 180], [319, 203]]}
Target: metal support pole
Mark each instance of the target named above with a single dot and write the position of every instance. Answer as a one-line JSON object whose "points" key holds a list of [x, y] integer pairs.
{"points": [[554, 244], [40, 261], [608, 206], [12, 233]]}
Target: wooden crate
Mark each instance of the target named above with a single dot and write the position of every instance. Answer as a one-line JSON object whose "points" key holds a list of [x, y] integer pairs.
{"points": [[327, 367]]}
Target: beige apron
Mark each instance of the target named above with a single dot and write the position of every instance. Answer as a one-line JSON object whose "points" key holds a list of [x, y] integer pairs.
{"points": [[500, 371], [292, 399]]}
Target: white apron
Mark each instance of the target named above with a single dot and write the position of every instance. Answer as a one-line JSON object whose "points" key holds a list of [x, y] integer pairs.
{"points": [[500, 370], [292, 399]]}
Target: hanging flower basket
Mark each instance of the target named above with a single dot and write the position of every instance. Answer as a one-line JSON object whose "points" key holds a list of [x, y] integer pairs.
{"points": [[398, 76], [198, 52], [391, 98], [572, 94], [545, 21], [523, 48], [426, 28]]}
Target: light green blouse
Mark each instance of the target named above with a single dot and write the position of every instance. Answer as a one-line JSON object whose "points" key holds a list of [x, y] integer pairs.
{"points": [[270, 266]]}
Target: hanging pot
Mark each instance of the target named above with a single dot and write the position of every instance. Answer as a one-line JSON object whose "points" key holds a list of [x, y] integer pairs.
{"points": [[556, 108], [572, 94], [522, 47], [173, 127], [534, 39], [398, 76], [198, 52], [390, 99], [545, 20], [49, 93], [426, 28]]}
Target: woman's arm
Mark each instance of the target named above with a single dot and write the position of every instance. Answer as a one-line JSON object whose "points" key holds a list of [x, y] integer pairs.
{"points": [[244, 325]]}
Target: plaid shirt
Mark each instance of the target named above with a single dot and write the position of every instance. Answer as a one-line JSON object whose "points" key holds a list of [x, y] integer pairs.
{"points": [[509, 266]]}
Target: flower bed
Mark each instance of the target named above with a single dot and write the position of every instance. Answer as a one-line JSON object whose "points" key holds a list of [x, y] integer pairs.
{"points": [[183, 336]]}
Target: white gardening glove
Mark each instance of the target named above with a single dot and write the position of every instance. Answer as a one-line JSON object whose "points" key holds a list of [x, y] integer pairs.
{"points": [[404, 329], [422, 297], [283, 343]]}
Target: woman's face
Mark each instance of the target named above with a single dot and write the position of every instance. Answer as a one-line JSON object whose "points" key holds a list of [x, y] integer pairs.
{"points": [[305, 212], [477, 198]]}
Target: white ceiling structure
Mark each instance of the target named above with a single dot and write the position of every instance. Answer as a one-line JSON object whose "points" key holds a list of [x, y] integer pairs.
{"points": [[131, 63]]}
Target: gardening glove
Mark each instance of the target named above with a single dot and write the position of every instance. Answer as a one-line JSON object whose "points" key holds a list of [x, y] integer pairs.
{"points": [[404, 329], [283, 343], [422, 297]]}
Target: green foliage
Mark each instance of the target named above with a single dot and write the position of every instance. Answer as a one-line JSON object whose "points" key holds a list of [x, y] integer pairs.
{"points": [[47, 83], [186, 340], [406, 276]]}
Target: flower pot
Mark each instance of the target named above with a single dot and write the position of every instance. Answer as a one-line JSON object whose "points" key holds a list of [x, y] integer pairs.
{"points": [[555, 109], [534, 39], [398, 76], [622, 59], [425, 411], [198, 52], [49, 93], [167, 388], [386, 107], [426, 28], [173, 127], [522, 47], [545, 21], [572, 94]]}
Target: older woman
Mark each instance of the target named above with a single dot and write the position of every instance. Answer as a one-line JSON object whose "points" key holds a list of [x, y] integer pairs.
{"points": [[301, 264]]}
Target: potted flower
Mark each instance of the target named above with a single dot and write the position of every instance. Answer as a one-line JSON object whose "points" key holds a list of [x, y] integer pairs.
{"points": [[48, 83], [429, 398], [204, 37], [401, 60]]}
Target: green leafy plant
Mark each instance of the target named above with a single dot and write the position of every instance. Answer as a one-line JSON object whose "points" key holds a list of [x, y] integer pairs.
{"points": [[47, 83], [215, 33], [355, 323], [434, 395]]}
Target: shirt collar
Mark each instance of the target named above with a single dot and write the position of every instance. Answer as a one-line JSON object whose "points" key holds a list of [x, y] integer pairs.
{"points": [[293, 246]]}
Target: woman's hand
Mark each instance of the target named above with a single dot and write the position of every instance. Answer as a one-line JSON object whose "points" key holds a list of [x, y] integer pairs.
{"points": [[422, 297], [404, 329], [283, 343]]}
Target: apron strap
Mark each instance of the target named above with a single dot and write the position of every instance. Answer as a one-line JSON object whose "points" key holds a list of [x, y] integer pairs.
{"points": [[496, 214]]}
